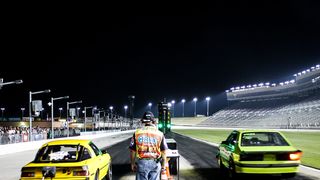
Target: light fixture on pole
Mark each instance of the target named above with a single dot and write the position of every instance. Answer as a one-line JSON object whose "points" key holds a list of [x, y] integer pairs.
{"points": [[125, 111], [51, 104], [30, 110], [111, 113], [195, 106], [60, 109], [208, 99], [173, 102], [2, 110], [131, 106], [78, 109], [11, 82], [150, 106], [111, 109], [41, 112], [67, 119], [22, 113], [183, 101]]}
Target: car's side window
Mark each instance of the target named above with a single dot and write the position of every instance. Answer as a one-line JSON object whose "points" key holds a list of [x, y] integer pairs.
{"points": [[232, 139], [95, 149], [85, 154]]}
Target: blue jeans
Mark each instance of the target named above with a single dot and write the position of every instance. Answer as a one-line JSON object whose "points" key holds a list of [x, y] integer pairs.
{"points": [[148, 170]]}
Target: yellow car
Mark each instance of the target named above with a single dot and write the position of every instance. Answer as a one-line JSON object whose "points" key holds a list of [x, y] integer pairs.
{"points": [[258, 152], [69, 159]]}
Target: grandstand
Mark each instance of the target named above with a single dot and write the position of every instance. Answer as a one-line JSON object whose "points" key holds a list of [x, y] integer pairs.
{"points": [[291, 104]]}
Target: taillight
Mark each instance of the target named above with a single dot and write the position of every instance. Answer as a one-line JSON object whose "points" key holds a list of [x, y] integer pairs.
{"points": [[295, 156], [27, 174], [83, 172]]}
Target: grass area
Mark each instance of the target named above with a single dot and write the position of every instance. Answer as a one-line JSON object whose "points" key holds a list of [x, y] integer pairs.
{"points": [[308, 142]]}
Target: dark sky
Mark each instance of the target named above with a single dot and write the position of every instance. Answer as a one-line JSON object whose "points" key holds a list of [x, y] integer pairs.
{"points": [[102, 53]]}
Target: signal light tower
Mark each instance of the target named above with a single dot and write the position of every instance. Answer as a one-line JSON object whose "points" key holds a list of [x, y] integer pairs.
{"points": [[164, 123]]}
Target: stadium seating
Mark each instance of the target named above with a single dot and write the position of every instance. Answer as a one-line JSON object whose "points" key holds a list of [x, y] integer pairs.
{"points": [[291, 104], [285, 112]]}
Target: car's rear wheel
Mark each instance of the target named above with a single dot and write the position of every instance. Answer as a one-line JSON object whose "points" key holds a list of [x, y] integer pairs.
{"points": [[109, 174], [221, 166], [232, 170], [96, 177]]}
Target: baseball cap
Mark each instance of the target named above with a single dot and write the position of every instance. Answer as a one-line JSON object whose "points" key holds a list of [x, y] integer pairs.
{"points": [[147, 117]]}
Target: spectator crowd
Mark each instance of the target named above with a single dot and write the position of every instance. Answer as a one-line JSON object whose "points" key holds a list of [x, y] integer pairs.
{"points": [[10, 135]]}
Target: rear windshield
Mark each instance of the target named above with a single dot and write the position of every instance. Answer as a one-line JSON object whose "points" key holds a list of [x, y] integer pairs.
{"points": [[59, 153], [263, 139]]}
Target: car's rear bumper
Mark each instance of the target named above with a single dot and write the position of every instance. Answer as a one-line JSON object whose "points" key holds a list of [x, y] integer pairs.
{"points": [[267, 168]]}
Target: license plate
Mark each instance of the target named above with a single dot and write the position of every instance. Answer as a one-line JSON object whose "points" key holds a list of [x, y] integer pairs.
{"points": [[269, 157]]}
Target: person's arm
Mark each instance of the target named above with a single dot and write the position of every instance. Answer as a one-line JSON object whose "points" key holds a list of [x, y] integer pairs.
{"points": [[132, 148], [132, 160], [164, 159]]}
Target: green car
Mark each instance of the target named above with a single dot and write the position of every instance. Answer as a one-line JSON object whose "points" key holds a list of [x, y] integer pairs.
{"points": [[258, 152]]}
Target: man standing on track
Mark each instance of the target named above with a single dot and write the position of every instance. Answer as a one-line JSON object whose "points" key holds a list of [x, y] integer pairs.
{"points": [[148, 146]]}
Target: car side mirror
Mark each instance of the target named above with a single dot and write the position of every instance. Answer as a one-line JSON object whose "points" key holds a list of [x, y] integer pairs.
{"points": [[104, 151]]}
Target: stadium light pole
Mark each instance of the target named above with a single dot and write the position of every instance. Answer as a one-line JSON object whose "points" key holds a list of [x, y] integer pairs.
{"points": [[131, 105], [30, 111], [68, 104], [173, 102], [195, 106], [208, 99], [78, 110], [22, 112], [150, 106], [183, 101], [111, 109], [60, 109], [2, 110], [51, 104], [85, 117], [42, 109], [125, 111]]}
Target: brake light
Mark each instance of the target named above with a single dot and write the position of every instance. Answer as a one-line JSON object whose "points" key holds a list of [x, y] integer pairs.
{"points": [[83, 172], [27, 174], [295, 156]]}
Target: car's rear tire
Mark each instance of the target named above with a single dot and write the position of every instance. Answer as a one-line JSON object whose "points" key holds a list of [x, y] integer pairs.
{"points": [[220, 164], [109, 174], [96, 176], [222, 168], [232, 170]]}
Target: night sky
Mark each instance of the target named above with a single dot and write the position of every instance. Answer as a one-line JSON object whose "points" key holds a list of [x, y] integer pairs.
{"points": [[102, 53]]}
